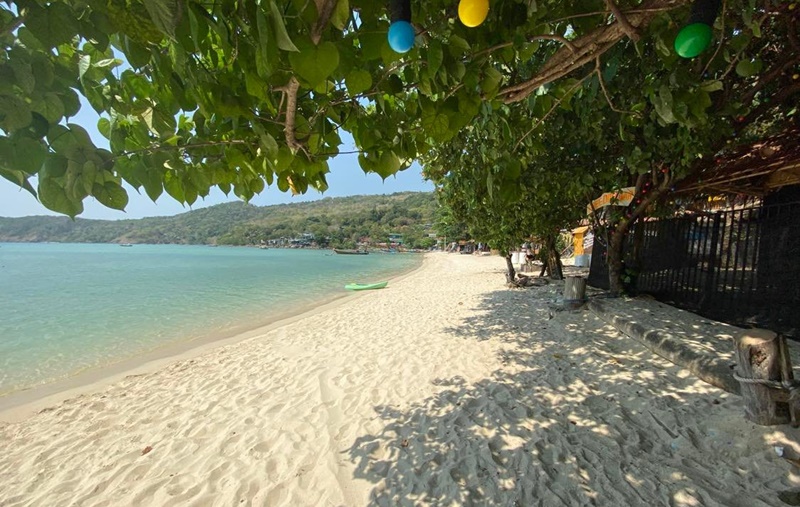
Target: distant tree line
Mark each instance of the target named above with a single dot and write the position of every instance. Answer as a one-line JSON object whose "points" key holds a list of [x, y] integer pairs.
{"points": [[334, 222]]}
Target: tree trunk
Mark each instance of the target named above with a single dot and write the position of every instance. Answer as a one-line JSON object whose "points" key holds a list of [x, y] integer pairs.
{"points": [[554, 262], [511, 273], [615, 260], [551, 260]]}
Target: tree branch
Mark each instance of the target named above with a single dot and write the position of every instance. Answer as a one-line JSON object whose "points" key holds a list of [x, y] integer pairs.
{"points": [[167, 147], [290, 93], [623, 20], [325, 9], [654, 194], [769, 76], [586, 49], [779, 98], [605, 90]]}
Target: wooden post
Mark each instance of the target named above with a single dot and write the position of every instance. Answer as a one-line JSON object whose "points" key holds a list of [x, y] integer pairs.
{"points": [[574, 290], [759, 356], [787, 375]]}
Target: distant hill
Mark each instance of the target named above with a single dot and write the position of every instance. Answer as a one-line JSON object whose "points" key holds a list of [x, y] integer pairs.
{"points": [[343, 220]]}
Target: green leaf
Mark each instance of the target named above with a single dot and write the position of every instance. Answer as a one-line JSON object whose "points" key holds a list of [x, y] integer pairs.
{"points": [[527, 50], [283, 183], [283, 159], [71, 103], [281, 36], [320, 183], [54, 167], [22, 154], [110, 195], [358, 81], [372, 44], [165, 14], [436, 125], [393, 85], [190, 194], [266, 53], [14, 113], [491, 81], [457, 45], [84, 64], [43, 70], [663, 104], [435, 56], [50, 107], [73, 184], [152, 184], [424, 86], [23, 74], [269, 145], [386, 164], [104, 127], [174, 187], [341, 15], [54, 197], [89, 174], [747, 68], [18, 178], [255, 85], [53, 25], [711, 86], [315, 63]]}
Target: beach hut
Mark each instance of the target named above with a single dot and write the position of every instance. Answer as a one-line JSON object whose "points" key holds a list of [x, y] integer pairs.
{"points": [[582, 243]]}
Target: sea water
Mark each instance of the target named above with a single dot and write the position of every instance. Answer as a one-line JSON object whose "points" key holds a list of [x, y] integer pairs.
{"points": [[66, 308]]}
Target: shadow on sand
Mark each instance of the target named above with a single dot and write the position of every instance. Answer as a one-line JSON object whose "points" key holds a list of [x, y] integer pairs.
{"points": [[577, 416]]}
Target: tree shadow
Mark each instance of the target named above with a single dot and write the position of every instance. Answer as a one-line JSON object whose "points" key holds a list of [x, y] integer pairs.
{"points": [[576, 416]]}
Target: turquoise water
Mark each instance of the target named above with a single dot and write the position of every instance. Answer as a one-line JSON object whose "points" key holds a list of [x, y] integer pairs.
{"points": [[65, 308]]}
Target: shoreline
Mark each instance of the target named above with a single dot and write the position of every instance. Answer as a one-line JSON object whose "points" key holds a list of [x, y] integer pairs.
{"points": [[21, 404]]}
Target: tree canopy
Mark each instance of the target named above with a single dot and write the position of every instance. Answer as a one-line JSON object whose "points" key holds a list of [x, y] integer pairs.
{"points": [[241, 95]]}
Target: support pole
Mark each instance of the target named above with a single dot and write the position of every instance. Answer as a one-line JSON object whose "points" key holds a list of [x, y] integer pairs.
{"points": [[760, 356]]}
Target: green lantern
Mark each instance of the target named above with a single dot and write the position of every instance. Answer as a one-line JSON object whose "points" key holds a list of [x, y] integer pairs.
{"points": [[695, 37], [692, 40]]}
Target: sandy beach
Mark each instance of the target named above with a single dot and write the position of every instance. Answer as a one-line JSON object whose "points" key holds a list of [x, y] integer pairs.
{"points": [[446, 388]]}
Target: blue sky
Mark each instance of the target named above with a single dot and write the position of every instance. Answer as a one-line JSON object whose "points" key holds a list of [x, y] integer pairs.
{"points": [[345, 178]]}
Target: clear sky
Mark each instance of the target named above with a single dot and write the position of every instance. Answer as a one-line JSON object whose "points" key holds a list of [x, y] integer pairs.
{"points": [[345, 178]]}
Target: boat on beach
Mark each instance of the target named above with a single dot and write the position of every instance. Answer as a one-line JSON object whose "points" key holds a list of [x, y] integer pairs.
{"points": [[365, 286], [350, 252]]}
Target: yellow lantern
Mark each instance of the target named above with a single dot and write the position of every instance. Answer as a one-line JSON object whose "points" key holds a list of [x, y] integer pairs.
{"points": [[473, 12]]}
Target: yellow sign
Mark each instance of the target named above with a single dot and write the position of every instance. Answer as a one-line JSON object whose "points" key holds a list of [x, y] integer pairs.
{"points": [[620, 198]]}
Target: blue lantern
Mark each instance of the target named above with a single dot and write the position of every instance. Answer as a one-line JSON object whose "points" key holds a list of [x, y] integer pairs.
{"points": [[401, 33]]}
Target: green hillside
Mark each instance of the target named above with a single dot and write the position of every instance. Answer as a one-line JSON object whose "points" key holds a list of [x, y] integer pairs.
{"points": [[342, 220]]}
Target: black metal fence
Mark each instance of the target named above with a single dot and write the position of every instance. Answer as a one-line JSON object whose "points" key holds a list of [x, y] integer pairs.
{"points": [[738, 266]]}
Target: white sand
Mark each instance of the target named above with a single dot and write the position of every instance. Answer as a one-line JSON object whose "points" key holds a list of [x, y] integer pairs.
{"points": [[444, 389]]}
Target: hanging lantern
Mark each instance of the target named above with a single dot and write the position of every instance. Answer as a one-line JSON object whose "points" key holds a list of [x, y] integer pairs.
{"points": [[473, 12], [401, 33], [695, 37]]}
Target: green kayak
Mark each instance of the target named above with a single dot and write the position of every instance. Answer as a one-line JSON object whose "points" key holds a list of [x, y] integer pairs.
{"points": [[365, 286]]}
